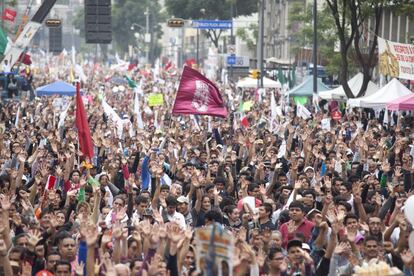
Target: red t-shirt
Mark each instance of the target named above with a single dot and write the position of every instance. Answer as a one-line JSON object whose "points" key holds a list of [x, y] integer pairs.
{"points": [[305, 228]]}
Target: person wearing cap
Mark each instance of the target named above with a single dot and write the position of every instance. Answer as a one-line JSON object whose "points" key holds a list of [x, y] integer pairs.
{"points": [[297, 223], [310, 174], [299, 261], [170, 213], [184, 209]]}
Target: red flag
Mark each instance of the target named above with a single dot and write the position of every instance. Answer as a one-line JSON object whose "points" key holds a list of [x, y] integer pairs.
{"points": [[245, 122], [9, 14], [25, 59], [190, 62], [168, 66], [51, 181], [198, 95], [84, 134]]}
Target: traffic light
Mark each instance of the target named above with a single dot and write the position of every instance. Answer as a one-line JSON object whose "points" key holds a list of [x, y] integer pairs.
{"points": [[98, 21], [176, 23], [255, 74], [55, 39]]}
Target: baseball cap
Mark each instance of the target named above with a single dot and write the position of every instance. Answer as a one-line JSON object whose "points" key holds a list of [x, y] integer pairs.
{"points": [[309, 168], [306, 246], [314, 210], [183, 199]]}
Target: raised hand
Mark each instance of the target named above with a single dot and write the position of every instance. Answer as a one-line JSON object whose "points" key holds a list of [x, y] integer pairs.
{"points": [[79, 268], [117, 230], [146, 228], [3, 248], [351, 235], [34, 237], [407, 257], [5, 202], [106, 238], [174, 233], [340, 248]]}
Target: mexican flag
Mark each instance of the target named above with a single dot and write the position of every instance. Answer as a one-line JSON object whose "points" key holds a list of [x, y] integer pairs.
{"points": [[3, 42]]}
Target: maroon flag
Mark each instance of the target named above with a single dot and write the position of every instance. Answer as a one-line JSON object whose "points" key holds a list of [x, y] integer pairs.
{"points": [[25, 59], [9, 14], [198, 95], [84, 134]]}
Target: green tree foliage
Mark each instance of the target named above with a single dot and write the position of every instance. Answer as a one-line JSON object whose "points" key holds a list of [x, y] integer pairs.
{"points": [[301, 27], [350, 18], [249, 35], [210, 9]]}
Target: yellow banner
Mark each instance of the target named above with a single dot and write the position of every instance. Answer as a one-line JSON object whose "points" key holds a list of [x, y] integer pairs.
{"points": [[155, 99]]}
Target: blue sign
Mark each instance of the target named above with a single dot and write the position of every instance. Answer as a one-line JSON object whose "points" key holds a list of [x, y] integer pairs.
{"points": [[231, 60], [212, 24]]}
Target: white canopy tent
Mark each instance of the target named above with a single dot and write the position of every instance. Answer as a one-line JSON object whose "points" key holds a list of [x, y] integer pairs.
{"points": [[390, 92], [355, 84], [252, 83]]}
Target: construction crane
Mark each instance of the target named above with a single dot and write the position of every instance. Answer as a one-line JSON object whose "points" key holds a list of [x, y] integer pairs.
{"points": [[23, 39]]}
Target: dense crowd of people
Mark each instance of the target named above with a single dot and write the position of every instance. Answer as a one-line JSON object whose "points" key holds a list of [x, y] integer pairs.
{"points": [[299, 196]]}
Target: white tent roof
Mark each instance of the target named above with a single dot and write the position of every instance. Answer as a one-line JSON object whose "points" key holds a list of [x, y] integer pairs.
{"points": [[390, 92], [252, 83], [355, 84]]}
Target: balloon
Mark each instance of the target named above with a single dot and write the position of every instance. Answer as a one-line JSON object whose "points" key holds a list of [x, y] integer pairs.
{"points": [[411, 242], [409, 209]]}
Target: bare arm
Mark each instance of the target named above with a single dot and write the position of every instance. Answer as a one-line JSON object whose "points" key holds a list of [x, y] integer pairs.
{"points": [[198, 200], [4, 259], [68, 166]]}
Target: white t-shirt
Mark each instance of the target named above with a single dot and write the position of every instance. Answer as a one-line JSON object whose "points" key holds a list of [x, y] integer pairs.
{"points": [[179, 219]]}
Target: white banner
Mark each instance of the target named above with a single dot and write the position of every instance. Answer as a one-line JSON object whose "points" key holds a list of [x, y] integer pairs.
{"points": [[396, 59]]}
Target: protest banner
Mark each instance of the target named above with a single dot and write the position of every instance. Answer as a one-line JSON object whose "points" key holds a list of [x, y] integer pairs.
{"points": [[396, 59], [215, 247]]}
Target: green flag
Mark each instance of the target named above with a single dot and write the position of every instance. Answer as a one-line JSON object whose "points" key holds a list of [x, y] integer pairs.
{"points": [[280, 76], [3, 42], [293, 77], [131, 83], [300, 100]]}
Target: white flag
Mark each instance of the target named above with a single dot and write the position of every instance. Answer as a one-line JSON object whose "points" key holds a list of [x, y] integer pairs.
{"points": [[303, 112], [73, 55], [110, 112], [273, 108], [282, 149], [63, 115], [137, 110], [386, 120], [16, 122]]}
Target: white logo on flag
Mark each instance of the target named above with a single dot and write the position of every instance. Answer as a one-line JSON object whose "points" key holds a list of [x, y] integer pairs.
{"points": [[201, 95]]}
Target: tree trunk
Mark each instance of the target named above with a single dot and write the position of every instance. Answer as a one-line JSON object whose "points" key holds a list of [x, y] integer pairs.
{"points": [[345, 41], [367, 64], [343, 77]]}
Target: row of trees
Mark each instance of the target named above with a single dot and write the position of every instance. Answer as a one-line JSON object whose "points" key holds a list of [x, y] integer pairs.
{"points": [[344, 23]]}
